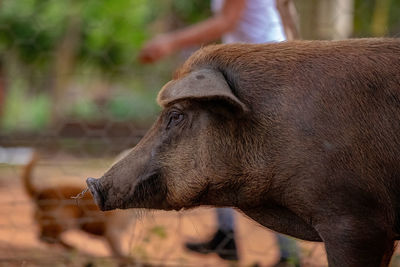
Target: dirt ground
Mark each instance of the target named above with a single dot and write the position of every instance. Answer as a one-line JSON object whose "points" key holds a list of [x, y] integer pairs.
{"points": [[156, 238]]}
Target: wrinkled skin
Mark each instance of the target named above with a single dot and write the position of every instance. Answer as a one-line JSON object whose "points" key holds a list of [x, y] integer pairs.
{"points": [[302, 137]]}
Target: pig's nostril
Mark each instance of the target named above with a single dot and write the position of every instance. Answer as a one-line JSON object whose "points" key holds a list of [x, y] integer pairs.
{"points": [[94, 189]]}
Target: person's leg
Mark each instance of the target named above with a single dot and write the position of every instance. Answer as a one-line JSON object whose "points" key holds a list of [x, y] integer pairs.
{"points": [[288, 250], [223, 241], [225, 219]]}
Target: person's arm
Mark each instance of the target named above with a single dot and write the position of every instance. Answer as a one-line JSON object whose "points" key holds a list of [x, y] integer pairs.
{"points": [[288, 15], [203, 32]]}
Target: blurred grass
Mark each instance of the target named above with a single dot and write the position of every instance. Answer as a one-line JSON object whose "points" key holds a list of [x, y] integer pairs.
{"points": [[127, 106], [25, 112]]}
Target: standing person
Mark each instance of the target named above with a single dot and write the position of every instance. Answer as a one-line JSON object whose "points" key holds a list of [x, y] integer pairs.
{"points": [[234, 21]]}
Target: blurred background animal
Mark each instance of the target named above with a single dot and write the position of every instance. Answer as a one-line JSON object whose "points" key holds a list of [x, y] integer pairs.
{"points": [[56, 211]]}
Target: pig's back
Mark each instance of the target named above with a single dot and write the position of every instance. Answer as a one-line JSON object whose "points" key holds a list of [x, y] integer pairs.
{"points": [[331, 112]]}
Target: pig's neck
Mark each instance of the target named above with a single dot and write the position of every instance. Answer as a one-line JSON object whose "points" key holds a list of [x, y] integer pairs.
{"points": [[282, 220]]}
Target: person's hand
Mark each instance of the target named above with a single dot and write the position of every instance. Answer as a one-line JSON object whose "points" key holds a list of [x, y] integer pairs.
{"points": [[156, 48]]}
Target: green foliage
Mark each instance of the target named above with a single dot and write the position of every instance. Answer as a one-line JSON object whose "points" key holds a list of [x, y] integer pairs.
{"points": [[112, 31], [136, 106], [84, 109], [31, 28], [191, 11], [24, 112], [110, 34], [364, 16], [394, 18]]}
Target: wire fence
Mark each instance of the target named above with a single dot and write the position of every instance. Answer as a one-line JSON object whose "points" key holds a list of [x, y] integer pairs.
{"points": [[70, 89]]}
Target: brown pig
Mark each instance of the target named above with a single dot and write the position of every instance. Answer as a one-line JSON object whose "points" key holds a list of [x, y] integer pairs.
{"points": [[303, 137]]}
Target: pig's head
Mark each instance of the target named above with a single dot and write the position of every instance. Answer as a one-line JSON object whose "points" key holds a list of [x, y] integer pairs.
{"points": [[191, 156]]}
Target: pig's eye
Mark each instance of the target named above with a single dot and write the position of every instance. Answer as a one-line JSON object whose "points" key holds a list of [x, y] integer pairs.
{"points": [[175, 117]]}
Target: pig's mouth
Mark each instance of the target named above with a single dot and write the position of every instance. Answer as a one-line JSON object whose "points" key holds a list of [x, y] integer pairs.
{"points": [[94, 189], [148, 193]]}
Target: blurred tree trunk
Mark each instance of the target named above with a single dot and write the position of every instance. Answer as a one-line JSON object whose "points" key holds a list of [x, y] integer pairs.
{"points": [[325, 19], [380, 19], [2, 85], [65, 60], [2, 90], [308, 14]]}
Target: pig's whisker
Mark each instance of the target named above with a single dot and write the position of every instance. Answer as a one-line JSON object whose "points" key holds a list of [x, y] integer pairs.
{"points": [[80, 195]]}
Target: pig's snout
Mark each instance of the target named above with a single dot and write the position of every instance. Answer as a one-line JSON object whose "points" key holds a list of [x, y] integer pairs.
{"points": [[93, 185]]}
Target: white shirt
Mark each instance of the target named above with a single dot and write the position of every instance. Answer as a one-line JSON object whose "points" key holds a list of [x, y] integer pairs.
{"points": [[259, 23]]}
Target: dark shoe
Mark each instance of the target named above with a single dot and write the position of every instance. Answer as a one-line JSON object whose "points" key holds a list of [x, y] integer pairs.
{"points": [[223, 243]]}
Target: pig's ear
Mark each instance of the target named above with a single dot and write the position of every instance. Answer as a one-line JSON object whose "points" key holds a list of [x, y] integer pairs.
{"points": [[202, 85]]}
